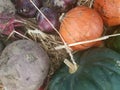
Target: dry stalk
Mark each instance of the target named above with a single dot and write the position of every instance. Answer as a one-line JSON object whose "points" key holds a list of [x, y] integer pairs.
{"points": [[88, 41], [89, 3], [13, 32], [65, 44]]}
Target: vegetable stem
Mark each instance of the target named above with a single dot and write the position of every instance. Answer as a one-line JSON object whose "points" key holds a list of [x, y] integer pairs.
{"points": [[72, 68]]}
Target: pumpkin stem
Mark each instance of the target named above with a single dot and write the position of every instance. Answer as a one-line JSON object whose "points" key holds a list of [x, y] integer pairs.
{"points": [[72, 67], [61, 17]]}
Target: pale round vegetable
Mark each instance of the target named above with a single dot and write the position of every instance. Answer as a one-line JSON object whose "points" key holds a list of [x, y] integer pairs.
{"points": [[23, 66], [7, 6]]}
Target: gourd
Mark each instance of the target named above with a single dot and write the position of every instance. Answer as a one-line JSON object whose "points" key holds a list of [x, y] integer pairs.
{"points": [[109, 10], [81, 24], [114, 42], [98, 69]]}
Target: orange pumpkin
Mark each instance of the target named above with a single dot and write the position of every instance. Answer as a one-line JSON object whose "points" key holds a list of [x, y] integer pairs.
{"points": [[109, 10], [81, 24]]}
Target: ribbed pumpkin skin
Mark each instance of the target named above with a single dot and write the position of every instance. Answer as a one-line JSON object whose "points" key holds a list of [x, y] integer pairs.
{"points": [[81, 24], [109, 10], [114, 42], [99, 69]]}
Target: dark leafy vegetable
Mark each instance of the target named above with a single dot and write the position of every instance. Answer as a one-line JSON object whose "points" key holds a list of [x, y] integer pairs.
{"points": [[52, 16], [99, 69], [114, 42], [26, 9]]}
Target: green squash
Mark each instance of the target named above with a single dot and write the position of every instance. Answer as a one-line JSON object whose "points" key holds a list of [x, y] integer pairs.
{"points": [[99, 69], [114, 42]]}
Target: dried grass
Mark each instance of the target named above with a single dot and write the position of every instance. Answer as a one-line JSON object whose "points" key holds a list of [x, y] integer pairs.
{"points": [[49, 41]]}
